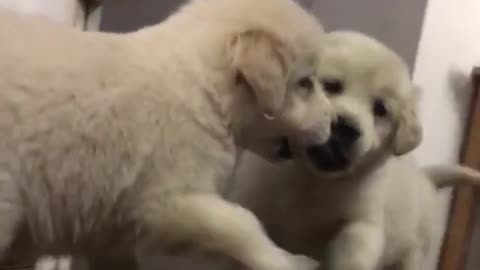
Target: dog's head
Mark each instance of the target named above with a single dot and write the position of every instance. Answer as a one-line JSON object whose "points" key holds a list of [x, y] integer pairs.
{"points": [[274, 56], [375, 102]]}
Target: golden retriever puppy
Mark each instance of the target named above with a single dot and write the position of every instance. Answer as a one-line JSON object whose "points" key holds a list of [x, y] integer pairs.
{"points": [[114, 141], [353, 203], [411, 225]]}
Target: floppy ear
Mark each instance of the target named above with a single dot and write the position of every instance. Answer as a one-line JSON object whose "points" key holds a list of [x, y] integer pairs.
{"points": [[409, 130], [262, 61]]}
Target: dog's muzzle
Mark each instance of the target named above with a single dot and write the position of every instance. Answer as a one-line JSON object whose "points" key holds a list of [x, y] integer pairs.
{"points": [[336, 154]]}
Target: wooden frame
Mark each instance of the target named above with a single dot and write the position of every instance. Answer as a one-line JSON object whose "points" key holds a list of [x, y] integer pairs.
{"points": [[461, 218]]}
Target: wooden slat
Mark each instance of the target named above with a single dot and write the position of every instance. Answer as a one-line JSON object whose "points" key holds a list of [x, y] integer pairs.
{"points": [[458, 234]]}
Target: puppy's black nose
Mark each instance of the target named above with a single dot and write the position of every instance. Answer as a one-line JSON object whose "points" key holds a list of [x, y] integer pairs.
{"points": [[345, 132], [336, 153]]}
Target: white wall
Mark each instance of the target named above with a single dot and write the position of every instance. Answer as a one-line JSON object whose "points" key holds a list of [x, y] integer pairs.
{"points": [[62, 11], [450, 44]]}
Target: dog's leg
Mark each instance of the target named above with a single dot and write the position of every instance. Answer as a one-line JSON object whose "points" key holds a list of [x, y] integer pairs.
{"points": [[210, 222], [358, 246]]}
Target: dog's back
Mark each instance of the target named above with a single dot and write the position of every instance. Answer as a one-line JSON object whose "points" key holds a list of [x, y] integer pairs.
{"points": [[55, 84]]}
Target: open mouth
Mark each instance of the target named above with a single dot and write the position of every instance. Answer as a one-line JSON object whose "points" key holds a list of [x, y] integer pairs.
{"points": [[282, 150], [329, 157]]}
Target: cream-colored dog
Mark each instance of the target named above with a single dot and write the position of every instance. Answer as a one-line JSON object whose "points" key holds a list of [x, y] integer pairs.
{"points": [[324, 220], [353, 202], [113, 141]]}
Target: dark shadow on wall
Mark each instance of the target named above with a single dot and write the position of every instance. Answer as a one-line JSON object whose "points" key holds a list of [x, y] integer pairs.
{"points": [[396, 23], [129, 15]]}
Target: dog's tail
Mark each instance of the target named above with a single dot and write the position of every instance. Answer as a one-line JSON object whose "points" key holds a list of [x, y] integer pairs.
{"points": [[444, 175]]}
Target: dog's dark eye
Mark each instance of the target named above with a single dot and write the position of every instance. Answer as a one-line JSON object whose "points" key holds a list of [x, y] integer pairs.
{"points": [[379, 108], [306, 85], [332, 86]]}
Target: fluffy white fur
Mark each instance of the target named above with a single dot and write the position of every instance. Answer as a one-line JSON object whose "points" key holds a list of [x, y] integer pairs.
{"points": [[380, 211], [110, 142], [384, 216], [303, 215]]}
